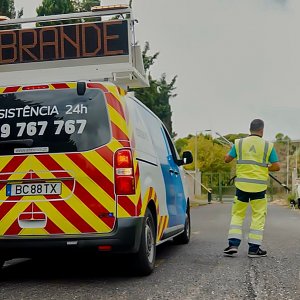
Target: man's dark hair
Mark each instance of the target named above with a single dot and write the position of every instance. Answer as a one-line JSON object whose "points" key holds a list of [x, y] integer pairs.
{"points": [[257, 124]]}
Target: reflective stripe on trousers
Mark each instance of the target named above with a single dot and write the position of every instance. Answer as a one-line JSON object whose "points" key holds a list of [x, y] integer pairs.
{"points": [[259, 211], [238, 214]]}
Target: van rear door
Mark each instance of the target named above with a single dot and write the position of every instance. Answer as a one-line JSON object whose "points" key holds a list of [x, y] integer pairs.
{"points": [[55, 170]]}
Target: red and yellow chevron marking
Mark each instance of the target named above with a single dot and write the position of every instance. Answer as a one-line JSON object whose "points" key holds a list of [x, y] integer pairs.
{"points": [[87, 207], [52, 86], [115, 107], [130, 205], [162, 221], [86, 211], [149, 195], [117, 118]]}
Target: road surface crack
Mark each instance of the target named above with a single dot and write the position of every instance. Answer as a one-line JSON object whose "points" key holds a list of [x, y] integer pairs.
{"points": [[252, 281]]}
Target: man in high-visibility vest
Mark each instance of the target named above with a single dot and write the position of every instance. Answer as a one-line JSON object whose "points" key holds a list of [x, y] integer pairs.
{"points": [[255, 158]]}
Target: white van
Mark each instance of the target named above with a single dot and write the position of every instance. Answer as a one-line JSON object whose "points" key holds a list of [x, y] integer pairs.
{"points": [[83, 164]]}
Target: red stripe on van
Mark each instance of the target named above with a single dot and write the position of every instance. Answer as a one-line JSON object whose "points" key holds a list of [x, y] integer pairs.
{"points": [[118, 134], [150, 194], [59, 86], [139, 206], [71, 215], [137, 180], [127, 204], [93, 85], [116, 104], [7, 206], [52, 228], [94, 205], [163, 226], [92, 172], [11, 166], [11, 89], [106, 154], [14, 229]]}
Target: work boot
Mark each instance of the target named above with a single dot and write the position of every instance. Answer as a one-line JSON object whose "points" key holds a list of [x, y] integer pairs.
{"points": [[230, 250], [258, 253]]}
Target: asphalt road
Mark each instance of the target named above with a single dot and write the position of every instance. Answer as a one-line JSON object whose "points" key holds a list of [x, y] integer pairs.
{"points": [[195, 271]]}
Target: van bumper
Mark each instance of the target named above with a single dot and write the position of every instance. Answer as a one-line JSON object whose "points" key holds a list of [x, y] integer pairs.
{"points": [[125, 238]]}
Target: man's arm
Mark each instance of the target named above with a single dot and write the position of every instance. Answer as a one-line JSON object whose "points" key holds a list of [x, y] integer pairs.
{"points": [[231, 155], [274, 161]]}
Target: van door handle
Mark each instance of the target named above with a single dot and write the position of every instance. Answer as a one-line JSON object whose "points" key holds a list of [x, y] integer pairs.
{"points": [[171, 171], [175, 172]]}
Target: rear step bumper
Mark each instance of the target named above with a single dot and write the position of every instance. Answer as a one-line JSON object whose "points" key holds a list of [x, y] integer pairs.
{"points": [[125, 238]]}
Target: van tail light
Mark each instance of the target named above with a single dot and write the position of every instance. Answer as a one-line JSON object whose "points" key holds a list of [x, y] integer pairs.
{"points": [[124, 172]]}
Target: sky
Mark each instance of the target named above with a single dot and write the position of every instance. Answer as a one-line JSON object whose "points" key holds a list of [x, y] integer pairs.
{"points": [[236, 60]]}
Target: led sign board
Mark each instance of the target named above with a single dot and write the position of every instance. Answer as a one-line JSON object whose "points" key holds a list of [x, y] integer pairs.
{"points": [[53, 43]]}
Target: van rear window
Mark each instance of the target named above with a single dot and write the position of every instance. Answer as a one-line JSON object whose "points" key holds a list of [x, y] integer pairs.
{"points": [[53, 121]]}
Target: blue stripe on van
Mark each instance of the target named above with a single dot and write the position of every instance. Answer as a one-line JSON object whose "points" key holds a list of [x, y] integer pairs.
{"points": [[175, 197]]}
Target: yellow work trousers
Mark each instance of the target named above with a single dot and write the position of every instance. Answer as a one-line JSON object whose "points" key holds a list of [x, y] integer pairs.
{"points": [[259, 212]]}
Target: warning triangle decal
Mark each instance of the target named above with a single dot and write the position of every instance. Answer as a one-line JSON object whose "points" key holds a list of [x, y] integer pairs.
{"points": [[252, 149]]}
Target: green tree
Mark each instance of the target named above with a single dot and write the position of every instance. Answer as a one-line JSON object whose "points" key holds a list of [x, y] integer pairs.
{"points": [[210, 154], [180, 144], [279, 137], [55, 7], [233, 136], [85, 5], [7, 8], [157, 96]]}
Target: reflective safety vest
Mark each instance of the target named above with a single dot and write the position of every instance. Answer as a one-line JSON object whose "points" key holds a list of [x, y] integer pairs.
{"points": [[252, 172]]}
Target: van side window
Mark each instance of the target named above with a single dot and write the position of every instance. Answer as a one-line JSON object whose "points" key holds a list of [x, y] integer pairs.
{"points": [[154, 127], [171, 145]]}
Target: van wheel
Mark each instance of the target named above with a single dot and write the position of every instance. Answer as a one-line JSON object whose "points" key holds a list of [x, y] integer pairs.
{"points": [[145, 258], [184, 237]]}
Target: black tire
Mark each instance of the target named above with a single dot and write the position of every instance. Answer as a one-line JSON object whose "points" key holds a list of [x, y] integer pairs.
{"points": [[298, 204], [145, 257], [184, 237]]}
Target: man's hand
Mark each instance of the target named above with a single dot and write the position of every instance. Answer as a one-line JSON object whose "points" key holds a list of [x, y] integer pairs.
{"points": [[274, 167], [228, 158]]}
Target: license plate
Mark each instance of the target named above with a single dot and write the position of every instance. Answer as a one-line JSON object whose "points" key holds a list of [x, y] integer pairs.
{"points": [[33, 189]]}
